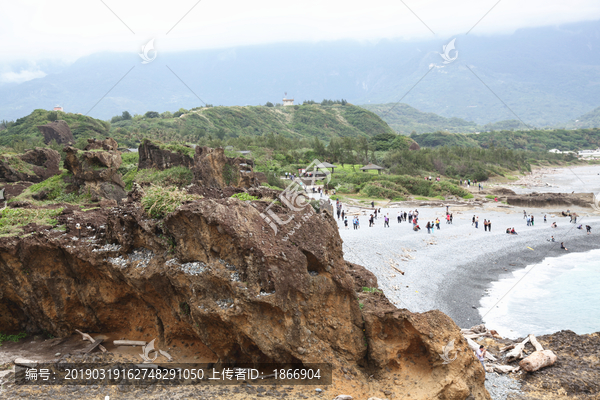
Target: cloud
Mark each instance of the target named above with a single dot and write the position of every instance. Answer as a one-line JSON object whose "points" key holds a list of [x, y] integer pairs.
{"points": [[69, 29], [20, 77]]}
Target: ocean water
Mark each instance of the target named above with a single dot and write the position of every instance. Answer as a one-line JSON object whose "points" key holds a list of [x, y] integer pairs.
{"points": [[557, 294]]}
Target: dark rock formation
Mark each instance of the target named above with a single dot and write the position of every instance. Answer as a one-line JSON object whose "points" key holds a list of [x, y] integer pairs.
{"points": [[95, 172], [34, 166], [152, 156], [224, 279], [551, 200], [213, 169], [57, 130]]}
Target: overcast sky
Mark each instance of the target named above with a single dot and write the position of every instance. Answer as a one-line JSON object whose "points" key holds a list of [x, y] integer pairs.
{"points": [[34, 30]]}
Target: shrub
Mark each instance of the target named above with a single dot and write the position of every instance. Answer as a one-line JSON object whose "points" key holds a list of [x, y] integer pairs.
{"points": [[273, 180], [159, 201], [371, 290], [377, 191], [179, 148], [230, 174], [244, 197], [13, 338]]}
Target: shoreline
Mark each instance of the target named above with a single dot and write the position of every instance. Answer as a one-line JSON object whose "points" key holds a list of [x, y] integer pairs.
{"points": [[457, 300]]}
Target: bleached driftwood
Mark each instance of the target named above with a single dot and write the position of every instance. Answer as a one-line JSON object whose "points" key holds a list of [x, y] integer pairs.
{"points": [[474, 346], [517, 352], [90, 339], [129, 343], [540, 358], [23, 362], [504, 369]]}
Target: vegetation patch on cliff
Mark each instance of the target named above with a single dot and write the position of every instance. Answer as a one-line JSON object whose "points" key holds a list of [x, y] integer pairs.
{"points": [[159, 201], [12, 220]]}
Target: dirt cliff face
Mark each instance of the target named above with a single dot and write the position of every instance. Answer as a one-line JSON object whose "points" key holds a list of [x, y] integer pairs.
{"points": [[214, 271], [34, 166], [58, 131], [152, 156], [213, 169]]}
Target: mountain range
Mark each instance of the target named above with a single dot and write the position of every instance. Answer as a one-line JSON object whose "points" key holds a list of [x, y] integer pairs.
{"points": [[541, 77]]}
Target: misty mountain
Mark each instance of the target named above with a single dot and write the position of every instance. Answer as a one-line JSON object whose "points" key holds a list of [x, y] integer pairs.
{"points": [[540, 76]]}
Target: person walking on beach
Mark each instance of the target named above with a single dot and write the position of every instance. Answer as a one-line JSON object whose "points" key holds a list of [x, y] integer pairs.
{"points": [[489, 225], [343, 213], [447, 218], [410, 216], [473, 221], [371, 222], [386, 221], [544, 218], [477, 222], [400, 217], [451, 218], [428, 226], [437, 223], [532, 220], [485, 225], [524, 214], [528, 221], [588, 229], [480, 353], [562, 246], [346, 222]]}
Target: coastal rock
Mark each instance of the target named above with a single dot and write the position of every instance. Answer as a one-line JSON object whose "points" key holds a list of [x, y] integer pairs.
{"points": [[540, 200], [33, 166], [95, 172], [108, 144], [152, 156], [58, 131], [213, 169], [263, 297]]}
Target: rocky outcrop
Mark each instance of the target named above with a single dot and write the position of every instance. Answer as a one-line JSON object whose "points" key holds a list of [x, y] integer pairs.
{"points": [[540, 200], [214, 271], [108, 144], [213, 169], [152, 156], [33, 166], [58, 131], [95, 173]]}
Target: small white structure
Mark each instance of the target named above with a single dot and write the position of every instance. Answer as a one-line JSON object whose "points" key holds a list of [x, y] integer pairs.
{"points": [[557, 151], [58, 108], [286, 101], [590, 153]]}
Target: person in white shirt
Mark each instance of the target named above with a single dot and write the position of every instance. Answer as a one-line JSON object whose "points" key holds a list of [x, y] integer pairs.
{"points": [[480, 353]]}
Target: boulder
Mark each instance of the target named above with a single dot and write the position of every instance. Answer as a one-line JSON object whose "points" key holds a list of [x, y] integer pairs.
{"points": [[33, 166], [108, 144], [57, 130], [213, 169], [95, 172], [152, 156]]}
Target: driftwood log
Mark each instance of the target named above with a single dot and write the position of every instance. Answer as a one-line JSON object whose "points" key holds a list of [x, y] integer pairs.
{"points": [[517, 352], [540, 358], [129, 343], [90, 339]]}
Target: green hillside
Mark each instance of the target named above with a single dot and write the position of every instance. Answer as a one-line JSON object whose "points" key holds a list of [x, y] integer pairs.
{"points": [[302, 121], [23, 133], [405, 119], [588, 120], [534, 140]]}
